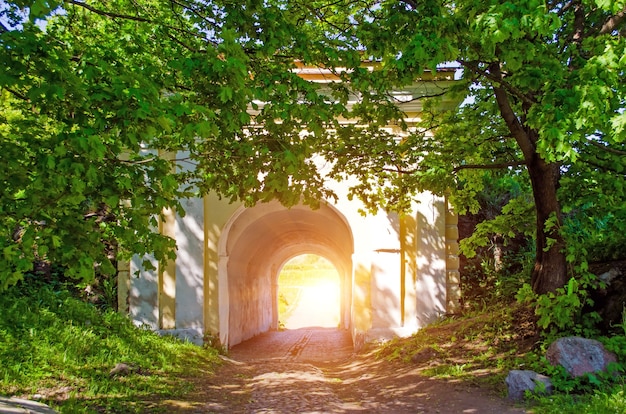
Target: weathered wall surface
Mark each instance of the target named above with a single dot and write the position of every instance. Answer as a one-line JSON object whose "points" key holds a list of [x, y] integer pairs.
{"points": [[394, 271], [255, 244], [190, 266], [431, 282], [143, 297], [397, 274]]}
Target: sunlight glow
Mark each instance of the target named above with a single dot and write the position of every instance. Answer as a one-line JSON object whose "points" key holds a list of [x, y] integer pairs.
{"points": [[310, 293]]}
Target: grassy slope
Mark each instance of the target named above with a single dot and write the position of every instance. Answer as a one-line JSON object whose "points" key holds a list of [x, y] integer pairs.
{"points": [[63, 349], [481, 349]]}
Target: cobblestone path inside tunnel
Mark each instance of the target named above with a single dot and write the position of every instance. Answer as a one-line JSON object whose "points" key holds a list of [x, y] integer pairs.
{"points": [[314, 370]]}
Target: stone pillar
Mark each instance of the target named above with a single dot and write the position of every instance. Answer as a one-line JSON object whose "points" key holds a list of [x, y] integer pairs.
{"points": [[431, 280], [123, 286], [167, 273], [453, 290], [167, 276]]}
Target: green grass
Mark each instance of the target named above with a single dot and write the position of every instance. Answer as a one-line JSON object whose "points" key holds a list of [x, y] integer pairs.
{"points": [[59, 347], [611, 401], [481, 348]]}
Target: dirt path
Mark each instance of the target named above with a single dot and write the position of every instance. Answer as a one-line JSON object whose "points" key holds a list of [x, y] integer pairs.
{"points": [[315, 371]]}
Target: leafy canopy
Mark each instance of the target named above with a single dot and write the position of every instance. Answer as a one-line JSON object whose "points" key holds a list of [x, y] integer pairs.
{"points": [[98, 101]]}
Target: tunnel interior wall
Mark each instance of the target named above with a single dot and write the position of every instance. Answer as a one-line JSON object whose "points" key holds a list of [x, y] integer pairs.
{"points": [[258, 242], [226, 275]]}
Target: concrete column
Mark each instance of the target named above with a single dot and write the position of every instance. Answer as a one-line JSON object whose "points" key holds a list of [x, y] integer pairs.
{"points": [[361, 318], [190, 268], [453, 290], [143, 300], [274, 295], [123, 286], [212, 233], [167, 272], [410, 251], [386, 290], [167, 276]]}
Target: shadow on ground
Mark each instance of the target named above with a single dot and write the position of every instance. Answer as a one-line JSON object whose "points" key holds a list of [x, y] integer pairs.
{"points": [[314, 370]]}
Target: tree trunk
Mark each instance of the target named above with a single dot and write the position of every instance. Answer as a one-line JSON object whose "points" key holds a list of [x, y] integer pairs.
{"points": [[498, 252], [550, 270]]}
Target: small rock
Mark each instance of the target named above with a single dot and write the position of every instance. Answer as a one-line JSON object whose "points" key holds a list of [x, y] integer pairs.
{"points": [[579, 356], [520, 381], [607, 277], [120, 369]]}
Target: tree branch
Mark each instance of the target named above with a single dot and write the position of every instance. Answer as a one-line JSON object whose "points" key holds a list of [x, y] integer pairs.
{"points": [[498, 79], [605, 148], [579, 23], [17, 94], [602, 168], [109, 14], [139, 162], [397, 170], [136, 19], [613, 22], [488, 166], [196, 11], [510, 118], [417, 98]]}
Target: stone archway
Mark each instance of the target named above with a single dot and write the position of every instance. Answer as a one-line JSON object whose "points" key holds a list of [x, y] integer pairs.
{"points": [[255, 244]]}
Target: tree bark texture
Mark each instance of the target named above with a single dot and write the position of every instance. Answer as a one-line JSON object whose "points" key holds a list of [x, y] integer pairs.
{"points": [[550, 270]]}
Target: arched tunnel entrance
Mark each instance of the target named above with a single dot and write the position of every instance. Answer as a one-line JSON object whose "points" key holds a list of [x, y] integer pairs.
{"points": [[256, 243]]}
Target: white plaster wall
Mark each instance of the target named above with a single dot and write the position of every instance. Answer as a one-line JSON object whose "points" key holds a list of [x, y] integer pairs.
{"points": [[430, 283], [190, 265], [231, 286], [250, 300], [217, 216], [386, 289], [254, 245], [212, 286], [143, 301]]}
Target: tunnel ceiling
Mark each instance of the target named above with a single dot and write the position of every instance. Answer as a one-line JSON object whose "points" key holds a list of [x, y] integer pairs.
{"points": [[258, 235]]}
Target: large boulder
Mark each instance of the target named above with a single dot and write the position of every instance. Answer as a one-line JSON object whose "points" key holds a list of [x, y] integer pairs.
{"points": [[579, 356], [520, 381]]}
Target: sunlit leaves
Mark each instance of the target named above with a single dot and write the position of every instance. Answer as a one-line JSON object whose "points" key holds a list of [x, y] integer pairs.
{"points": [[91, 105], [75, 110]]}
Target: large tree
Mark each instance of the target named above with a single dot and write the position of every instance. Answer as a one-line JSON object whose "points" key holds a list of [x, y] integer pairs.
{"points": [[546, 82], [85, 95]]}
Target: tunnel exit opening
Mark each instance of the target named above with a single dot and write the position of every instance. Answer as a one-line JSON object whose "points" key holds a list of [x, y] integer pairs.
{"points": [[309, 293], [259, 241]]}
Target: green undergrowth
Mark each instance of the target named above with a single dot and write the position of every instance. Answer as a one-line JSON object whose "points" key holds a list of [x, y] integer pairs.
{"points": [[61, 350], [482, 347], [477, 348]]}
